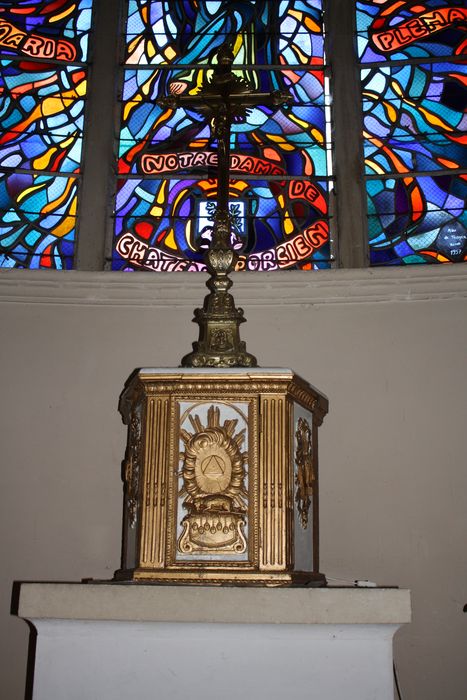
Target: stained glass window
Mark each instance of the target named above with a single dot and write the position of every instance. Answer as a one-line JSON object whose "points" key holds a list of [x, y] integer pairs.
{"points": [[414, 78], [412, 57], [43, 52], [280, 175]]}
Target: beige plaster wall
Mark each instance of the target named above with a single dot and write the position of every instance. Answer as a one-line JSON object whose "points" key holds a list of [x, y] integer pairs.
{"points": [[389, 350]]}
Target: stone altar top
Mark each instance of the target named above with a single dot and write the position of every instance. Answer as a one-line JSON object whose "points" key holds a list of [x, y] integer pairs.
{"points": [[205, 604]]}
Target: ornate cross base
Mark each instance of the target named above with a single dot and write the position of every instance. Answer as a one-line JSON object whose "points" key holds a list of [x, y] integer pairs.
{"points": [[221, 477], [219, 343]]}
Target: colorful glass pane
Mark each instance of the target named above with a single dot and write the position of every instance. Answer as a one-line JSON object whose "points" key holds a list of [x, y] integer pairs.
{"points": [[43, 83], [189, 32], [41, 116], [55, 30], [395, 30], [418, 220], [37, 220], [279, 156], [414, 96], [414, 117], [171, 239]]}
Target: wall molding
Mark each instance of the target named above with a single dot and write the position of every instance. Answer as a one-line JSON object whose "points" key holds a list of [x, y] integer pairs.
{"points": [[291, 288]]}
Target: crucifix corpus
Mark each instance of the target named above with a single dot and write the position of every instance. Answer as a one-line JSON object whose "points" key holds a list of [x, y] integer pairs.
{"points": [[222, 99]]}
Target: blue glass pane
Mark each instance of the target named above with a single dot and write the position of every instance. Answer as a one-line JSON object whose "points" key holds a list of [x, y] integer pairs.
{"points": [[414, 117], [414, 102], [166, 224], [265, 32], [293, 137], [41, 116], [43, 84], [279, 155], [401, 30], [418, 220], [37, 220], [55, 30]]}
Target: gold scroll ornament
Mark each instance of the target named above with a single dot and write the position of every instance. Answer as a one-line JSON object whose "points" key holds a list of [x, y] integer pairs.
{"points": [[304, 475], [132, 468]]}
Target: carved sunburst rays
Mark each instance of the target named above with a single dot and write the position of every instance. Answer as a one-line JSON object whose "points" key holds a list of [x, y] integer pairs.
{"points": [[213, 464], [213, 416]]}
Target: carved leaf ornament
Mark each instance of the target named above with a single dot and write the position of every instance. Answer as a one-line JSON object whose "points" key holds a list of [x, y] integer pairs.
{"points": [[304, 475]]}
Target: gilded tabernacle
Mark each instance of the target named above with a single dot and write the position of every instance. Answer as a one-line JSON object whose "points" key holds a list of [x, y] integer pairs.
{"points": [[221, 477]]}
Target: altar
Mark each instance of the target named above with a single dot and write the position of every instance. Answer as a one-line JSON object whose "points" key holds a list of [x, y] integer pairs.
{"points": [[221, 501], [97, 641]]}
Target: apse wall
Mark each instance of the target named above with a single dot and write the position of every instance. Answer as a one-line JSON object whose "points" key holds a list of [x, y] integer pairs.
{"points": [[388, 347]]}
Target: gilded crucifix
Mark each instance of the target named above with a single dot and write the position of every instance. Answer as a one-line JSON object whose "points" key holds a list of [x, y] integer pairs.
{"points": [[221, 99]]}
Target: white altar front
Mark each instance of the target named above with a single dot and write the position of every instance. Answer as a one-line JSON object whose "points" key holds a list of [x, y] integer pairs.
{"points": [[99, 641]]}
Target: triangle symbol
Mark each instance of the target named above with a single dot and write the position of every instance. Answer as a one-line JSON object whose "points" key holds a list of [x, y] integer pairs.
{"points": [[213, 466]]}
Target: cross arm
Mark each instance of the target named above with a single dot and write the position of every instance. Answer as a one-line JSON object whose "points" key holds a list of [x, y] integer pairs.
{"points": [[212, 101]]}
